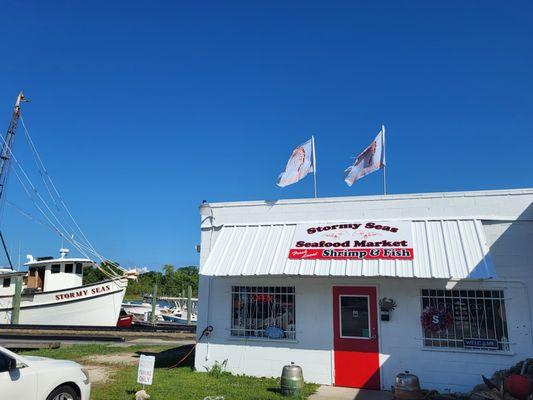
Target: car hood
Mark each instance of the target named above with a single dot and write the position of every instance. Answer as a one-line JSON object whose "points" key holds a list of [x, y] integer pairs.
{"points": [[50, 362], [35, 358]]}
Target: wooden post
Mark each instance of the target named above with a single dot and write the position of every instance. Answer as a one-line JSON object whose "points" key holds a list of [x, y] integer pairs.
{"points": [[153, 319], [189, 304], [16, 301]]}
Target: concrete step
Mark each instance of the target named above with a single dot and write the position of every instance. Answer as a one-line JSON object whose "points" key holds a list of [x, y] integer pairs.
{"points": [[342, 393]]}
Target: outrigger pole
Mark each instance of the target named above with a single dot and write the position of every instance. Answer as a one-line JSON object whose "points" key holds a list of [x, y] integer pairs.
{"points": [[4, 157]]}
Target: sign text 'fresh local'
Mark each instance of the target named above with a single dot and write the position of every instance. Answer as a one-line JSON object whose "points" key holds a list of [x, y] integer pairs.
{"points": [[367, 240]]}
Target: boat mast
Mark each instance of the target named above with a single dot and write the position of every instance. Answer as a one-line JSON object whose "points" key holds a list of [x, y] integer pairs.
{"points": [[4, 158], [8, 141]]}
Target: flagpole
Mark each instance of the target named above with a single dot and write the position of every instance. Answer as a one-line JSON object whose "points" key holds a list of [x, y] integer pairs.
{"points": [[384, 180], [384, 163], [314, 163]]}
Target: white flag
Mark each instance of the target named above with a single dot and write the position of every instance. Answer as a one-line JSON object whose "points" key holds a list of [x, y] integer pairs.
{"points": [[371, 159], [299, 165]]}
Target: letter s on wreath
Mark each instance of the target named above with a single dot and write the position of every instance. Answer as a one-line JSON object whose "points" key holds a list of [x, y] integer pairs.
{"points": [[435, 319]]}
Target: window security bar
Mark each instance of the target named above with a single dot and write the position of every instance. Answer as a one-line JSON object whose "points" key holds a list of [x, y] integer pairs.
{"points": [[263, 312], [476, 319]]}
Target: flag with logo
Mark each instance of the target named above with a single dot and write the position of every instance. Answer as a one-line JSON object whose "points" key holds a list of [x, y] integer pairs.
{"points": [[301, 162], [371, 159]]}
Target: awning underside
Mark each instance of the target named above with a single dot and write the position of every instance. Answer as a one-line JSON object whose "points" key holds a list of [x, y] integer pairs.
{"points": [[444, 249]]}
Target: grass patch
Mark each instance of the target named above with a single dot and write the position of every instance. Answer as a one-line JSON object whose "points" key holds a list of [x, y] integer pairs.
{"points": [[169, 384], [184, 384], [77, 352]]}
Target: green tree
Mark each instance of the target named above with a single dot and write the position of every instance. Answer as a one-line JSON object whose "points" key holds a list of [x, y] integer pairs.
{"points": [[168, 282], [171, 282], [94, 275], [187, 276]]}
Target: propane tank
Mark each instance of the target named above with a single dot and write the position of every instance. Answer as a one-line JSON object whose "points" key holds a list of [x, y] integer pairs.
{"points": [[292, 380], [407, 387]]}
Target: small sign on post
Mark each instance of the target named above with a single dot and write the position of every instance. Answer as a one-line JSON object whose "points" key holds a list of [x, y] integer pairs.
{"points": [[145, 373]]}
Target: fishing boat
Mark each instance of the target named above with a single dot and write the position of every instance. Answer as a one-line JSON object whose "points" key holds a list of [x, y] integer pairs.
{"points": [[124, 320], [141, 311], [180, 310], [53, 294], [179, 318], [52, 290], [168, 309]]}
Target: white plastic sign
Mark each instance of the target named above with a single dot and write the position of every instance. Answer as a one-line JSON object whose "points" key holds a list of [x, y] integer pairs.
{"points": [[145, 374]]}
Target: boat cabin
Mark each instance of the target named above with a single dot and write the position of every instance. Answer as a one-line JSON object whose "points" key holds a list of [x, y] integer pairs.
{"points": [[47, 273], [7, 281]]}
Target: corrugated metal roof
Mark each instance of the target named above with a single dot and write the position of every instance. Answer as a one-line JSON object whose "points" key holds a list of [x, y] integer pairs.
{"points": [[444, 249]]}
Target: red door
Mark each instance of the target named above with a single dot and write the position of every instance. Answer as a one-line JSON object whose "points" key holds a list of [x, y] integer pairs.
{"points": [[356, 337]]}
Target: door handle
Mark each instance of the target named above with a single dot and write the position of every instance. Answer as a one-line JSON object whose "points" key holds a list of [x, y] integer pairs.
{"points": [[373, 337]]}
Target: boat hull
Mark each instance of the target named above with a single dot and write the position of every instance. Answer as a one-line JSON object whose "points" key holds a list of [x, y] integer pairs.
{"points": [[97, 305]]}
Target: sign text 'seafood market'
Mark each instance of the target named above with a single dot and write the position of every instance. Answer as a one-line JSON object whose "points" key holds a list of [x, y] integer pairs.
{"points": [[360, 241]]}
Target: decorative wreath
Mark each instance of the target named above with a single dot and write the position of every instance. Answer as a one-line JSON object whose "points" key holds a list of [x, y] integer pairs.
{"points": [[435, 319]]}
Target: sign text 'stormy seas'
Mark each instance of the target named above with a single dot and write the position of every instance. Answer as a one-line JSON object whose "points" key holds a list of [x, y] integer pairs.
{"points": [[361, 240], [83, 292]]}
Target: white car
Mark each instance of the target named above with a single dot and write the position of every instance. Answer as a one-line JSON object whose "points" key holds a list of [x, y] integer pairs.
{"points": [[39, 378]]}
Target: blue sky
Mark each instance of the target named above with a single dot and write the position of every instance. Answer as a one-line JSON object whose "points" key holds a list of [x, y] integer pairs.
{"points": [[141, 110]]}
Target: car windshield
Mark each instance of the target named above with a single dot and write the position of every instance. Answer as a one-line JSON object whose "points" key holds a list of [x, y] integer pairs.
{"points": [[4, 362], [5, 354]]}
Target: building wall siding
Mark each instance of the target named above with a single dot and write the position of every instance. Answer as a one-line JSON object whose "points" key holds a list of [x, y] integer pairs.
{"points": [[401, 347]]}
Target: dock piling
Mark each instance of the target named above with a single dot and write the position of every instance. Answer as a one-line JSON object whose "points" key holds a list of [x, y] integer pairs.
{"points": [[153, 318], [189, 304], [16, 301]]}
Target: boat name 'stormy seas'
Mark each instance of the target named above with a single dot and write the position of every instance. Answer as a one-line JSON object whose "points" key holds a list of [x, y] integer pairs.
{"points": [[84, 292]]}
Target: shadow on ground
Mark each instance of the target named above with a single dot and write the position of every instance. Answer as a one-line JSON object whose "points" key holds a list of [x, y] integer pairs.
{"points": [[182, 356]]}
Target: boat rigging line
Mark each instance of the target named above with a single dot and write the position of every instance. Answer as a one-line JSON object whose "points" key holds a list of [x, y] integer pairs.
{"points": [[5, 250], [44, 174], [63, 225], [58, 227], [61, 230]]}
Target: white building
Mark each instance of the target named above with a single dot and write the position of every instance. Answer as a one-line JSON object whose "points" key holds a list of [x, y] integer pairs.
{"points": [[301, 280]]}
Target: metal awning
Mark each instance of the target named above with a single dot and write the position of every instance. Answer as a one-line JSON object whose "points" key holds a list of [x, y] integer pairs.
{"points": [[443, 249]]}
